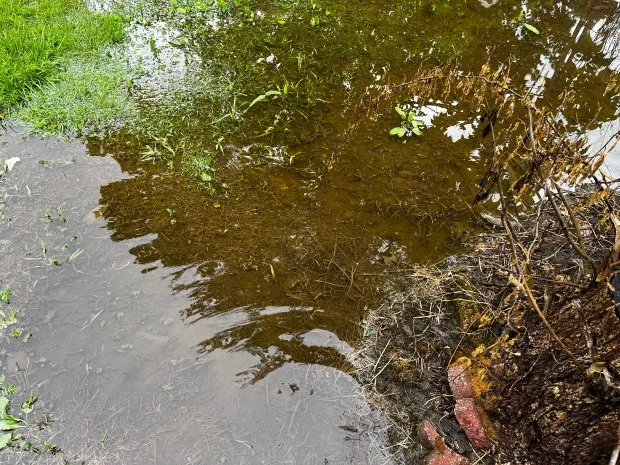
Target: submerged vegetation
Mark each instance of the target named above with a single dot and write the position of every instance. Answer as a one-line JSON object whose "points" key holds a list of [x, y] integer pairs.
{"points": [[16, 432], [173, 75]]}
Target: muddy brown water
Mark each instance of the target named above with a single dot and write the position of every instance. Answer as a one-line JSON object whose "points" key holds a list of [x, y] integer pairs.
{"points": [[173, 326]]}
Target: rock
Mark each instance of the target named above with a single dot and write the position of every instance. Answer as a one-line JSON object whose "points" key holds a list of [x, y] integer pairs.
{"points": [[448, 457], [460, 383], [442, 454], [469, 418], [429, 437]]}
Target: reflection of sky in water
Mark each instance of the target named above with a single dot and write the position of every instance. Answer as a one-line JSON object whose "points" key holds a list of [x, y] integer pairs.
{"points": [[321, 338], [461, 130], [603, 139], [605, 34], [545, 71], [607, 41], [159, 62]]}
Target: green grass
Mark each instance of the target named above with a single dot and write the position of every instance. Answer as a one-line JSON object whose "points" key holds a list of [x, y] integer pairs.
{"points": [[89, 97], [39, 37]]}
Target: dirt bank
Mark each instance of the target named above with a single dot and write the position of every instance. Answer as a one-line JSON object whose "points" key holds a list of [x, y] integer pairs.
{"points": [[542, 359]]}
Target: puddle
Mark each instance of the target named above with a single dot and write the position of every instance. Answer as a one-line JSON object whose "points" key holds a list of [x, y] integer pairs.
{"points": [[111, 357], [171, 324]]}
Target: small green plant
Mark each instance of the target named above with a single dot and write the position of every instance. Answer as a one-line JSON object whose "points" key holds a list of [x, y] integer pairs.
{"points": [[7, 320], [28, 404], [278, 92], [410, 123], [5, 295], [159, 150], [201, 168], [9, 424], [519, 20], [6, 390], [51, 447]]}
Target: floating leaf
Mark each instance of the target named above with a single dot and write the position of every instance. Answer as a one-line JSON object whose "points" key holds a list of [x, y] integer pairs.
{"points": [[28, 403], [398, 131], [531, 28], [5, 440], [7, 421], [10, 163]]}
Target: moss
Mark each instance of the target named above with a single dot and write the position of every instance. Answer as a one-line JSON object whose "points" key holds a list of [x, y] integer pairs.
{"points": [[482, 384], [471, 313], [402, 366]]}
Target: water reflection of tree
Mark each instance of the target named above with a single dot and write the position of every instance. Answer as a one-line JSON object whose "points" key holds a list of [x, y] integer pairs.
{"points": [[608, 34]]}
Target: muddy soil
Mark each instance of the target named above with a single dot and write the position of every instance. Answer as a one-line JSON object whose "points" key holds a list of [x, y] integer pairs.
{"points": [[549, 405], [543, 408]]}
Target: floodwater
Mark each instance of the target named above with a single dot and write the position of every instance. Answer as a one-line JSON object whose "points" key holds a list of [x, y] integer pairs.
{"points": [[174, 323]]}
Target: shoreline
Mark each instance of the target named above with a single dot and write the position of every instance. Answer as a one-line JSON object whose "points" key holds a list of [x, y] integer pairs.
{"points": [[519, 385]]}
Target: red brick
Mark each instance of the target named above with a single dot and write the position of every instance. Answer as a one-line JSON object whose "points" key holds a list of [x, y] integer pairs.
{"points": [[429, 437], [469, 418], [460, 383]]}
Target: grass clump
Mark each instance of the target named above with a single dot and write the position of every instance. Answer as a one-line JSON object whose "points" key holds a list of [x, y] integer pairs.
{"points": [[89, 96], [200, 169], [39, 37]]}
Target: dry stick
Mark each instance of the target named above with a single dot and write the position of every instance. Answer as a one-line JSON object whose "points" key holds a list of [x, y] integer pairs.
{"points": [[587, 259], [528, 292], [615, 253], [572, 217], [521, 284], [558, 213], [587, 332], [580, 248]]}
